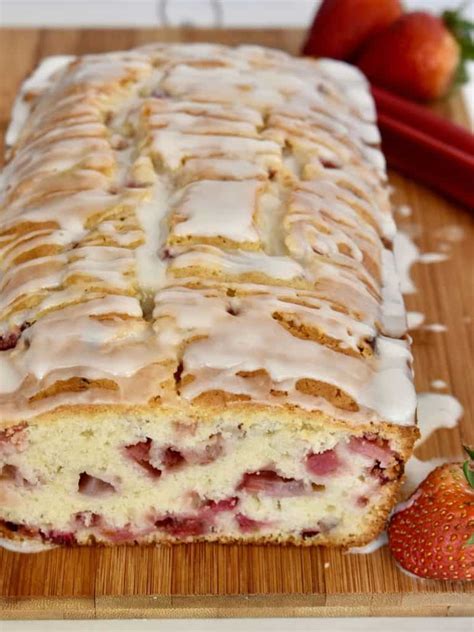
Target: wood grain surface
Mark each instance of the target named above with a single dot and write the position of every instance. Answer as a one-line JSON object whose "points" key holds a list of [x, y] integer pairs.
{"points": [[229, 580]]}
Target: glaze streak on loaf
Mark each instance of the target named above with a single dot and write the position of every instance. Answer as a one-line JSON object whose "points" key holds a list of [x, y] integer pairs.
{"points": [[195, 234]]}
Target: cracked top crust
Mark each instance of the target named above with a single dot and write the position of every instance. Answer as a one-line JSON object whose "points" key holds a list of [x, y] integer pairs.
{"points": [[199, 224]]}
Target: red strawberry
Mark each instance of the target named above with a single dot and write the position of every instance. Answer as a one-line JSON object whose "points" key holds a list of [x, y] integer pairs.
{"points": [[375, 449], [226, 504], [182, 527], [323, 463], [172, 458], [248, 525], [432, 536], [340, 27], [417, 56], [63, 538], [93, 486], [140, 453], [270, 483]]}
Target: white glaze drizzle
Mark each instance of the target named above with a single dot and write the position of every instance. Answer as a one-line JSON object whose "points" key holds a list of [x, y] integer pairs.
{"points": [[25, 546], [136, 168], [151, 269], [374, 545], [404, 210], [438, 384], [416, 471], [173, 147], [406, 254], [435, 327], [452, 233], [251, 340], [415, 319], [218, 209], [435, 411], [39, 81], [433, 257], [235, 263]]}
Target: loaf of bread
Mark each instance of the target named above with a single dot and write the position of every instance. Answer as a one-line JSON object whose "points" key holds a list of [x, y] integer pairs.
{"points": [[201, 331]]}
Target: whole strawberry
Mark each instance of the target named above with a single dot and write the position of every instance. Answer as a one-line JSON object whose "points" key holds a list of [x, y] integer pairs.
{"points": [[433, 535], [419, 55], [340, 27]]}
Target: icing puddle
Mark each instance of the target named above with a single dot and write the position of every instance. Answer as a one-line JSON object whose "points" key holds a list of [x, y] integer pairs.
{"points": [[378, 543], [436, 410], [415, 319], [433, 257], [25, 546], [416, 471], [436, 327], [406, 254], [404, 210], [450, 234], [438, 384]]}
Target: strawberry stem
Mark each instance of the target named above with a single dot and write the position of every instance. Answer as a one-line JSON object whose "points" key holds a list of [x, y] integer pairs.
{"points": [[468, 473], [463, 32], [469, 451], [467, 465]]}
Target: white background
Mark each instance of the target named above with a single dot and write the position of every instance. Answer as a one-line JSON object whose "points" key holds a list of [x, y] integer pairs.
{"points": [[248, 13]]}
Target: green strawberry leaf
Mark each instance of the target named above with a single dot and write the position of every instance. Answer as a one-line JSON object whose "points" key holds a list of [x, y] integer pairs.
{"points": [[468, 473], [469, 451], [463, 32], [470, 542]]}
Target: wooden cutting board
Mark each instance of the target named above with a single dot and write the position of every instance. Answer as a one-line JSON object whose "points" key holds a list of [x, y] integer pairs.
{"points": [[206, 580]]}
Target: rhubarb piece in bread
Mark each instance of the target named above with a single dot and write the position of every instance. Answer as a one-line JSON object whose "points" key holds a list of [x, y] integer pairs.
{"points": [[201, 331]]}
